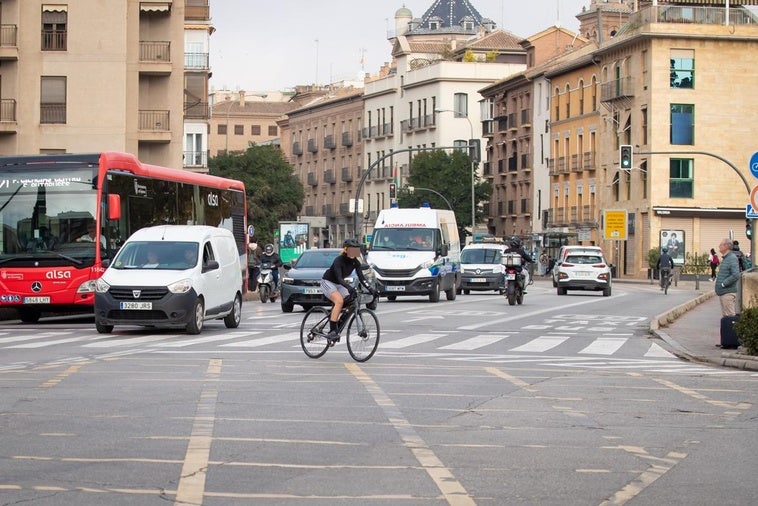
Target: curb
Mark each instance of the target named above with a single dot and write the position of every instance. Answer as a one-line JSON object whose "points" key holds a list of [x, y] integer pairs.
{"points": [[735, 359]]}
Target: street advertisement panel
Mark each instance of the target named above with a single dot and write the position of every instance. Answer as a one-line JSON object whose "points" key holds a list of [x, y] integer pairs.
{"points": [[293, 240], [673, 241]]}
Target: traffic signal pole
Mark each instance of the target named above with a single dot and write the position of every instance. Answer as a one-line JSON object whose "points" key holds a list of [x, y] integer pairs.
{"points": [[734, 168]]}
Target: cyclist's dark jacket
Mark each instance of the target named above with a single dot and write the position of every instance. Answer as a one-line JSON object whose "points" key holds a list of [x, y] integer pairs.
{"points": [[665, 262], [341, 268]]}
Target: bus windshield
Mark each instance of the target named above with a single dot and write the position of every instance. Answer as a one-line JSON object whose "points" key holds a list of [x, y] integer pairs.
{"points": [[48, 216]]}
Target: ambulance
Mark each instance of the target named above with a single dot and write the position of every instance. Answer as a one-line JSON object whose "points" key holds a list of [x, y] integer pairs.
{"points": [[416, 252]]}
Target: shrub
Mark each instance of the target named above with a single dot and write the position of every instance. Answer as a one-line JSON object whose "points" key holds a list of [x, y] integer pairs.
{"points": [[652, 257], [747, 328], [696, 264]]}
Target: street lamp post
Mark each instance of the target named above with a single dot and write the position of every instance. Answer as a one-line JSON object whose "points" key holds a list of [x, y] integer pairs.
{"points": [[473, 169], [411, 189]]}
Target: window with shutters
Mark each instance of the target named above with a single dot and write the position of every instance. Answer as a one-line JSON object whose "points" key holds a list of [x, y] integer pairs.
{"points": [[54, 32], [53, 99]]}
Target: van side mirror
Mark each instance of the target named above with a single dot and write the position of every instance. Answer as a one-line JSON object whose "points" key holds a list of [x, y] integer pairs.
{"points": [[211, 265], [443, 250]]}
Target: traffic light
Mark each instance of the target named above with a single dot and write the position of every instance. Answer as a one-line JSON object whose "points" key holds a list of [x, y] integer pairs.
{"points": [[625, 157], [393, 191], [748, 228], [475, 150]]}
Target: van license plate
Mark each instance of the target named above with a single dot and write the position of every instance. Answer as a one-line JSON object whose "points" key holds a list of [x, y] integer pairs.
{"points": [[311, 291], [135, 305], [395, 288], [36, 300], [478, 280]]}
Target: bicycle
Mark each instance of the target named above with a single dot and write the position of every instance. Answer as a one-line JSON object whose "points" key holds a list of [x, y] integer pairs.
{"points": [[362, 329], [666, 281]]}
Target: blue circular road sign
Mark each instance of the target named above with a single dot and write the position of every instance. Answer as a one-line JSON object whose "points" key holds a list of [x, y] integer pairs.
{"points": [[251, 229], [754, 164]]}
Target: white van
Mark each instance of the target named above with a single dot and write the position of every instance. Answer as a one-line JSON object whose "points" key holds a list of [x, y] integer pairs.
{"points": [[416, 252], [172, 276], [482, 267]]}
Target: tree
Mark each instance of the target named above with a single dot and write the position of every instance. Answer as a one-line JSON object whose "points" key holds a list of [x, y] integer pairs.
{"points": [[450, 175], [274, 193]]}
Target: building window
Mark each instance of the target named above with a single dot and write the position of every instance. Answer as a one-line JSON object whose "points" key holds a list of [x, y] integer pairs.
{"points": [[53, 99], [239, 129], [273, 131], [682, 68], [54, 18], [681, 178], [682, 124], [221, 129], [255, 130], [460, 105]]}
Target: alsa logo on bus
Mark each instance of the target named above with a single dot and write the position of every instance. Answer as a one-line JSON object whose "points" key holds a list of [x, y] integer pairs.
{"points": [[58, 275], [213, 200]]}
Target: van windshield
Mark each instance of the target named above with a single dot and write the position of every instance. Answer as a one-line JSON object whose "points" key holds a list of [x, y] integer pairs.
{"points": [[405, 239], [481, 256], [168, 255]]}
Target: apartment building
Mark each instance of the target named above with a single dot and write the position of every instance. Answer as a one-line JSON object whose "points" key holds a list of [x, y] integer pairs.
{"points": [[75, 77], [676, 83], [197, 33]]}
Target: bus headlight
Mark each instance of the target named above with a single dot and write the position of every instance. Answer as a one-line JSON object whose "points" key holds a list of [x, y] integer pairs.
{"points": [[182, 286], [100, 286]]}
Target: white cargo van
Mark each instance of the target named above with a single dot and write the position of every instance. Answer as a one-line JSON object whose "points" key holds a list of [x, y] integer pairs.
{"points": [[172, 276], [416, 252]]}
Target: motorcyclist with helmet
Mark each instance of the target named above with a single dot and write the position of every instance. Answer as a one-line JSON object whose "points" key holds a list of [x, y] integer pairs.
{"points": [[664, 265], [336, 288], [272, 257], [516, 246]]}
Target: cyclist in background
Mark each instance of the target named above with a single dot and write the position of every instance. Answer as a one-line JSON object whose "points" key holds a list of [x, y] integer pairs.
{"points": [[664, 265], [336, 288]]}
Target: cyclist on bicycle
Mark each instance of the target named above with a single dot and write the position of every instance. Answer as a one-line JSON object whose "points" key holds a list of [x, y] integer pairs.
{"points": [[335, 287], [664, 265]]}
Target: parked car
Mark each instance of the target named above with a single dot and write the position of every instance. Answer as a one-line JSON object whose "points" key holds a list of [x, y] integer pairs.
{"points": [[481, 267], [301, 284], [584, 270]]}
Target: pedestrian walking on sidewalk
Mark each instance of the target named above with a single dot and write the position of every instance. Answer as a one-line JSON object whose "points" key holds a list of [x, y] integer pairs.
{"points": [[714, 264], [726, 280]]}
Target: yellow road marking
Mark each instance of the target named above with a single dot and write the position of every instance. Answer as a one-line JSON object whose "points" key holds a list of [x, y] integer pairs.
{"points": [[65, 374]]}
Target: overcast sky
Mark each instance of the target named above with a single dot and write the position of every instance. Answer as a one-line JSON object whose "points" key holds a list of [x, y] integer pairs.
{"points": [[272, 45]]}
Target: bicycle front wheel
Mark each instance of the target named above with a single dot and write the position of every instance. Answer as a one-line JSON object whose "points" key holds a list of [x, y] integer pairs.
{"points": [[363, 335], [313, 332]]}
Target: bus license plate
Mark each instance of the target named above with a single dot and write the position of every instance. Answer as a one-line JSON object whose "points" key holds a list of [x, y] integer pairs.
{"points": [[36, 300], [311, 291], [135, 305], [395, 288]]}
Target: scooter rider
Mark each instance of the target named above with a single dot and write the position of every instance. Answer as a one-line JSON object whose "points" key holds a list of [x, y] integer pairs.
{"points": [[515, 246], [272, 257]]}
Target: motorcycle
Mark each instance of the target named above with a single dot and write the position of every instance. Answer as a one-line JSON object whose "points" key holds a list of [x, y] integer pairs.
{"points": [[514, 278], [266, 288]]}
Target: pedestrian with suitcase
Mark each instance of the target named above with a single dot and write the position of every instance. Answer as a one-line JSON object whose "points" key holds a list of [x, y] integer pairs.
{"points": [[726, 288]]}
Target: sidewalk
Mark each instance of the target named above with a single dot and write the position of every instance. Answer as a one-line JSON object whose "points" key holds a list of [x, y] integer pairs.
{"points": [[692, 331]]}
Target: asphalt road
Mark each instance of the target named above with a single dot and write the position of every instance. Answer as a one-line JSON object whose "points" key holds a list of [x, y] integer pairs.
{"points": [[563, 400]]}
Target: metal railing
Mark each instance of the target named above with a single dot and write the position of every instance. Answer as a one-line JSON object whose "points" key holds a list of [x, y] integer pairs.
{"points": [[154, 120], [155, 51]]}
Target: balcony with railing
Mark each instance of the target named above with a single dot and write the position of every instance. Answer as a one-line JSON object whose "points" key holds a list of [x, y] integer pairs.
{"points": [[345, 209], [347, 176], [512, 163], [154, 125], [8, 122], [297, 148], [488, 128], [589, 160], [691, 15], [328, 211], [512, 121], [196, 61], [8, 42], [616, 89], [312, 146], [155, 57], [526, 162], [197, 110], [562, 166], [526, 118], [347, 139], [500, 166], [329, 142], [329, 176], [502, 123], [575, 165], [52, 114], [312, 180], [197, 10], [195, 158], [486, 169], [54, 40]]}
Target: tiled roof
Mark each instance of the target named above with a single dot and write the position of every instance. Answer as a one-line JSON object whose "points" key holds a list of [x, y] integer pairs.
{"points": [[451, 12], [498, 39]]}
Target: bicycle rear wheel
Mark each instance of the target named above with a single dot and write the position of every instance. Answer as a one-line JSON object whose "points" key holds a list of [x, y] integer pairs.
{"points": [[313, 331], [363, 335]]}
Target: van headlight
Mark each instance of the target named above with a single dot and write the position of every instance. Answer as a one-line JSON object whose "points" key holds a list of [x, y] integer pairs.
{"points": [[182, 286], [426, 264], [97, 285], [287, 281], [498, 269]]}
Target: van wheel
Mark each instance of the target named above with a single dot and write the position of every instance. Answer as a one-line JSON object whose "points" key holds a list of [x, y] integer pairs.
{"points": [[195, 324], [435, 295], [232, 320], [451, 293], [103, 328], [28, 315]]}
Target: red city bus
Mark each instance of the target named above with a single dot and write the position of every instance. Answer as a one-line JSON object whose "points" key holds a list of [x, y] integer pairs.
{"points": [[54, 210]]}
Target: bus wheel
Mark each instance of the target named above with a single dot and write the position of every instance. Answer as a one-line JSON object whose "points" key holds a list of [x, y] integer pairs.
{"points": [[28, 315], [103, 328]]}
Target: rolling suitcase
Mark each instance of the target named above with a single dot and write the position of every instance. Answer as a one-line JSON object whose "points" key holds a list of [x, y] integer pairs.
{"points": [[729, 338]]}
